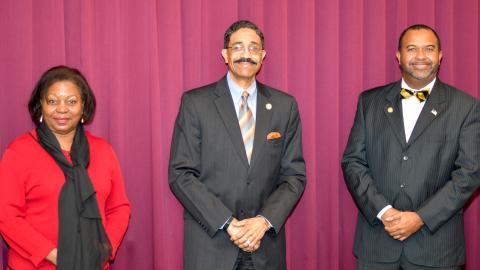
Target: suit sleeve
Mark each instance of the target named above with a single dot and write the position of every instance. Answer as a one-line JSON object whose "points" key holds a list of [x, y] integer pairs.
{"points": [[465, 178], [184, 171], [117, 207], [15, 229], [292, 175], [356, 172]]}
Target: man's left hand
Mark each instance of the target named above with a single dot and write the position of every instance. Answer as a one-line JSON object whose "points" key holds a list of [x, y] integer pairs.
{"points": [[255, 229], [407, 224]]}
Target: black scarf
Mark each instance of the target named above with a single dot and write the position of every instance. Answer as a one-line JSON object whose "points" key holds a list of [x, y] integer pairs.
{"points": [[82, 241]]}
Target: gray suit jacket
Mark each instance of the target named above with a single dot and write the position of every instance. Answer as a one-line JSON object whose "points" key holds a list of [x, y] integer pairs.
{"points": [[434, 174], [210, 175]]}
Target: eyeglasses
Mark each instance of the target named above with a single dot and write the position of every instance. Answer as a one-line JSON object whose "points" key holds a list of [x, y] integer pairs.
{"points": [[252, 48]]}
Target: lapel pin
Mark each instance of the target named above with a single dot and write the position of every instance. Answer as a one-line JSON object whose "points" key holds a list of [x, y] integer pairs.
{"points": [[268, 106], [390, 109], [434, 112]]}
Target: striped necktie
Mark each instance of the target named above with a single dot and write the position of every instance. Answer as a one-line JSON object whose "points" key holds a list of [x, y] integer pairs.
{"points": [[247, 125]]}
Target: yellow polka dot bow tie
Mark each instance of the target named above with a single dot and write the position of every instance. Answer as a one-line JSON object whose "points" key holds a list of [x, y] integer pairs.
{"points": [[420, 95]]}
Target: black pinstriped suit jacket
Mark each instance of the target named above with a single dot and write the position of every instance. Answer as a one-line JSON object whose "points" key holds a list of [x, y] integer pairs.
{"points": [[210, 175], [434, 174]]}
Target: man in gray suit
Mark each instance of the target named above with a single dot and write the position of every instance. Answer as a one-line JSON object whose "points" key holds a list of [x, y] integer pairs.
{"points": [[412, 162], [236, 163]]}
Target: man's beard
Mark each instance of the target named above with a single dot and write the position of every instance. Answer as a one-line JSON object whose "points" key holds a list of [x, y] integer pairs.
{"points": [[409, 69]]}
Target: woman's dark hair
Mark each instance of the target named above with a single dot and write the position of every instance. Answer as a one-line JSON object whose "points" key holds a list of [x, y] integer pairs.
{"points": [[57, 74]]}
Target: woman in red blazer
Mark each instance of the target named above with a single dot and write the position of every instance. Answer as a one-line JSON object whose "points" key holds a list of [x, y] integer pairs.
{"points": [[62, 199]]}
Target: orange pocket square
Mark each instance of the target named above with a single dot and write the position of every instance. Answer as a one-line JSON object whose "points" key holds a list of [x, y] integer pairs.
{"points": [[273, 135]]}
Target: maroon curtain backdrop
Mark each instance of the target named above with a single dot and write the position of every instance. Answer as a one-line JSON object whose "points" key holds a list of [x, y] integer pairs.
{"points": [[139, 56]]}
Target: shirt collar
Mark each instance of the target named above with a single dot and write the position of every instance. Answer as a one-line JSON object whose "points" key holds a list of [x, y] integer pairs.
{"points": [[428, 86], [237, 91]]}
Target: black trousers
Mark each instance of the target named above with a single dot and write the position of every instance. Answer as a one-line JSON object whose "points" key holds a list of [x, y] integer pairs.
{"points": [[401, 264], [244, 261]]}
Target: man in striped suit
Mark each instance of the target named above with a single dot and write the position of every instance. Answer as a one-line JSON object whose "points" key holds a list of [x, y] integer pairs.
{"points": [[412, 162]]}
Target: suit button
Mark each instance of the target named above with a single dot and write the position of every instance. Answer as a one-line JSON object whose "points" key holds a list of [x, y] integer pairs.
{"points": [[405, 158]]}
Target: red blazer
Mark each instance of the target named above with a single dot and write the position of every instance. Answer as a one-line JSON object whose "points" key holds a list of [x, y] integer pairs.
{"points": [[30, 184]]}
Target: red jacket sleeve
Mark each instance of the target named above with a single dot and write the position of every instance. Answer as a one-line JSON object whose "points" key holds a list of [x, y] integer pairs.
{"points": [[117, 207], [15, 229]]}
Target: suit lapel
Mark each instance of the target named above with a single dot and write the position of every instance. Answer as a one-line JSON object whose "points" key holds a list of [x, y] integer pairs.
{"points": [[262, 122], [393, 112], [434, 106], [226, 110]]}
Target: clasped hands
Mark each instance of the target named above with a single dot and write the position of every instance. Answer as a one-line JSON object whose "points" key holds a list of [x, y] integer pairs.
{"points": [[400, 225], [248, 233]]}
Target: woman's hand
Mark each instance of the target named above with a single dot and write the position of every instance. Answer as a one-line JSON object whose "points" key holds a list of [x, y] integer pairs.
{"points": [[52, 256]]}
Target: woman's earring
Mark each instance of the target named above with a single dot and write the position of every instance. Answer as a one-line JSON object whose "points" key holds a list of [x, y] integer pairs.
{"points": [[81, 120], [41, 118]]}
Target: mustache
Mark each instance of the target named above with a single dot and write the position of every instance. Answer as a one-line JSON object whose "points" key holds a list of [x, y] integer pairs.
{"points": [[425, 62], [245, 60]]}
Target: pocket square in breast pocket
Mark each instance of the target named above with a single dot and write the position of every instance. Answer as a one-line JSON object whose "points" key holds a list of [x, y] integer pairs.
{"points": [[273, 135]]}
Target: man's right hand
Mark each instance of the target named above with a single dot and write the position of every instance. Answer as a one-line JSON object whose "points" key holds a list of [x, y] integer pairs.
{"points": [[390, 217], [234, 229], [237, 230]]}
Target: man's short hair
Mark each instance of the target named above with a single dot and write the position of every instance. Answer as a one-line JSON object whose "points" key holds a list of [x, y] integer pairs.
{"points": [[419, 27], [239, 25]]}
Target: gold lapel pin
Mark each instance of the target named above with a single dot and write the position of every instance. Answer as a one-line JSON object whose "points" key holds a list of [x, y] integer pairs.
{"points": [[390, 109], [268, 106]]}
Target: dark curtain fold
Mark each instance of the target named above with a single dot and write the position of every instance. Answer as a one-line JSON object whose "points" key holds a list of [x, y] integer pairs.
{"points": [[139, 56]]}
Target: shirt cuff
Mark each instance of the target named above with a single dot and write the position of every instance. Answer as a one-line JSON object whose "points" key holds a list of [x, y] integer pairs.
{"points": [[223, 226], [385, 209]]}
